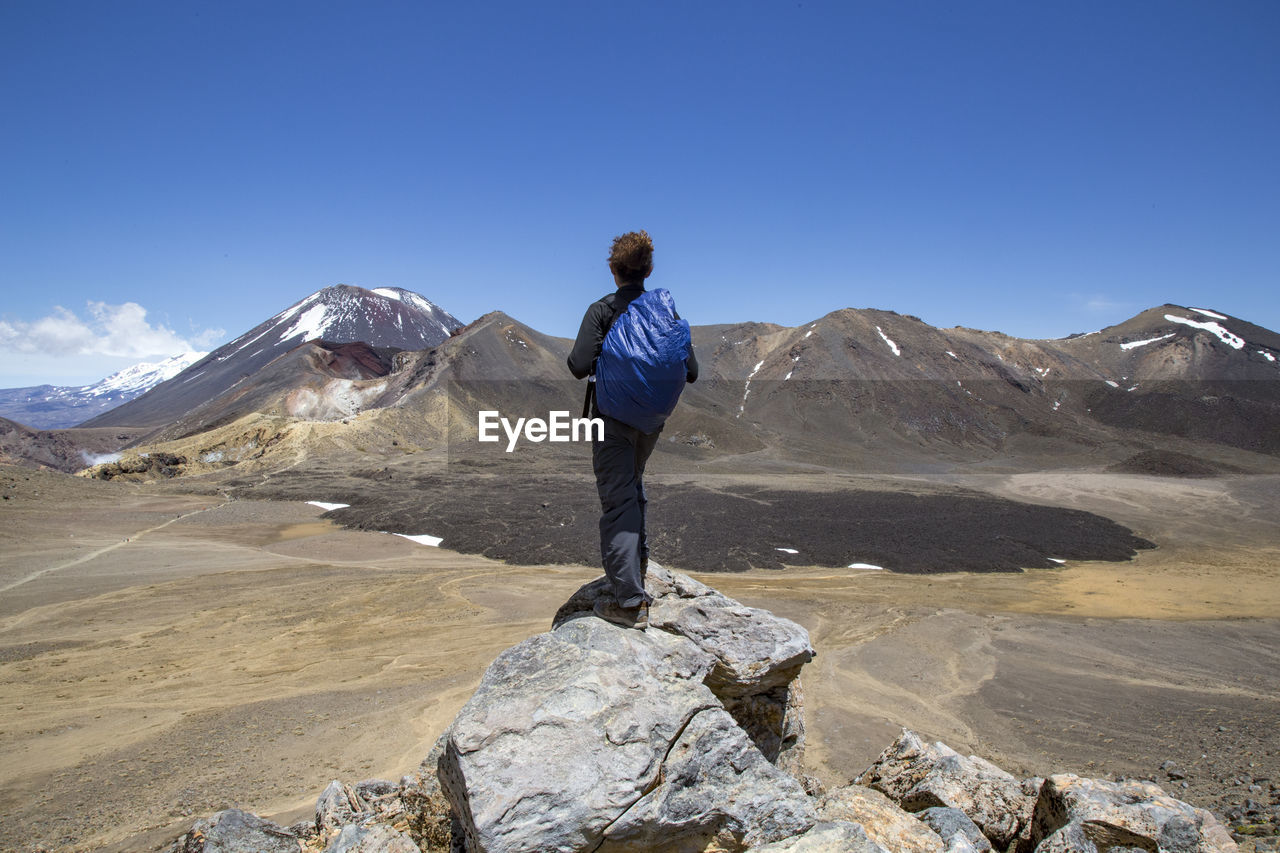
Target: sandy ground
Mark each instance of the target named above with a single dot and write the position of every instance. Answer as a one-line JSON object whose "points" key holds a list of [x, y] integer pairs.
{"points": [[165, 655]]}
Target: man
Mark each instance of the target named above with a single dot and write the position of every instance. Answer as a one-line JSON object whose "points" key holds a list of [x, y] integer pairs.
{"points": [[619, 459]]}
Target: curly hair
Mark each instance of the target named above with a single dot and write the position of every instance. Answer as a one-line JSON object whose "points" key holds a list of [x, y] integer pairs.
{"points": [[631, 256]]}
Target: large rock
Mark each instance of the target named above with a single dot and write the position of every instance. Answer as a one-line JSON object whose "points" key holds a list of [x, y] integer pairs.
{"points": [[753, 650], [338, 805], [886, 823], [716, 792], [371, 838], [599, 737], [918, 775], [955, 829], [1091, 815], [756, 656], [827, 837], [235, 831]]}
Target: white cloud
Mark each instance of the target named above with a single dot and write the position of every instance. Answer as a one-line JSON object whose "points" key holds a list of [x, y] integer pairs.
{"points": [[118, 331]]}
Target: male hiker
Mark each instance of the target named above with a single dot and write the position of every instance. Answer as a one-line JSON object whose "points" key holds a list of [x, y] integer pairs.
{"points": [[649, 345]]}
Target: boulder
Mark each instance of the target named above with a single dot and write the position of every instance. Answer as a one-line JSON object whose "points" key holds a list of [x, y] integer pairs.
{"points": [[917, 776], [885, 823], [372, 789], [827, 837], [952, 824], [371, 838], [753, 650], [338, 805], [593, 728], [756, 656], [1091, 815], [235, 831], [716, 791]]}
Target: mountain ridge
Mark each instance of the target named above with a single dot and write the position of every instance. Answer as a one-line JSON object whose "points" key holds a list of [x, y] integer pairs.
{"points": [[382, 318], [63, 406]]}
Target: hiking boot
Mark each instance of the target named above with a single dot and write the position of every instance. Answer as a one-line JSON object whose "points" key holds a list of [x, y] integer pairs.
{"points": [[628, 617]]}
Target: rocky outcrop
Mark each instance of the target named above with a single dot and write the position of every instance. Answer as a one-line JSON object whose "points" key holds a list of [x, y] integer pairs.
{"points": [[756, 656], [679, 739], [595, 737], [1075, 814], [235, 831], [956, 795], [919, 775], [827, 837], [885, 823], [955, 829]]}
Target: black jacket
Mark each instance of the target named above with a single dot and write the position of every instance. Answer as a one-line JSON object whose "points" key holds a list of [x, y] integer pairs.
{"points": [[586, 349]]}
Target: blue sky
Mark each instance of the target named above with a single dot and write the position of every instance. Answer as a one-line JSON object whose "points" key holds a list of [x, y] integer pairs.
{"points": [[171, 174]]}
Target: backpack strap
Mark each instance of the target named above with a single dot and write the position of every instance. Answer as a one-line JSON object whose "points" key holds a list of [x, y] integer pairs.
{"points": [[591, 385]]}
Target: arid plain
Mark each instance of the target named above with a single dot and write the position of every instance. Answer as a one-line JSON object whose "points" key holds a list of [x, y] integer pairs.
{"points": [[166, 651]]}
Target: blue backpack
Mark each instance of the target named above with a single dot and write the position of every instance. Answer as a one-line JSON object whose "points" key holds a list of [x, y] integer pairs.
{"points": [[641, 369]]}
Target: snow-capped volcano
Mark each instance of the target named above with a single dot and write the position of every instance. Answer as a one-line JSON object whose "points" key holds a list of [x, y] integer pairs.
{"points": [[388, 317], [385, 316], [58, 407], [140, 378]]}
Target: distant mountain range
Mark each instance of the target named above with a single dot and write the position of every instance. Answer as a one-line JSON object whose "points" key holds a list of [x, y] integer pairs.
{"points": [[857, 387], [389, 319], [58, 407]]}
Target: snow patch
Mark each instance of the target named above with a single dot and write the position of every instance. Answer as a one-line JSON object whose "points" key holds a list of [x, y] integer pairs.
{"points": [[787, 550], [422, 539], [891, 344], [1113, 383], [1268, 356], [1135, 344], [747, 388], [310, 324], [953, 355], [327, 507], [807, 334], [1056, 560], [1223, 335], [1206, 312], [866, 566]]}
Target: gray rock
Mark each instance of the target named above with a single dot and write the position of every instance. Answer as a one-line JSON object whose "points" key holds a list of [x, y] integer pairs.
{"points": [[950, 823], [753, 649], [304, 829], [716, 791], [572, 730], [337, 806], [371, 789], [235, 831], [917, 775], [1090, 815], [371, 838], [885, 823], [756, 655], [827, 837]]}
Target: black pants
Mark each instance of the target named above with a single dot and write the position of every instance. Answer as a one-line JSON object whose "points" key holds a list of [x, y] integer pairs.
{"points": [[619, 462]]}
